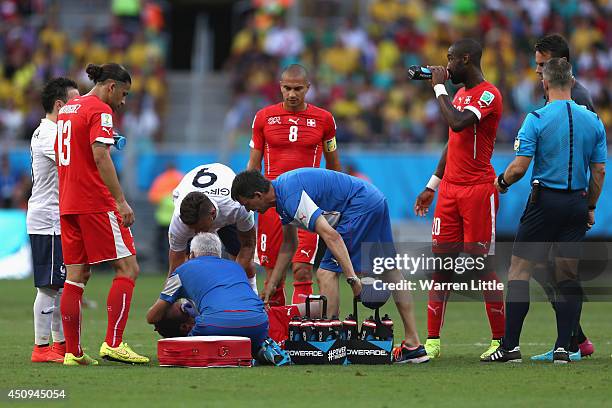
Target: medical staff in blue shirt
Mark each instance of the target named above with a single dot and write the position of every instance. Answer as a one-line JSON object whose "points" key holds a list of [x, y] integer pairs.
{"points": [[345, 212]]}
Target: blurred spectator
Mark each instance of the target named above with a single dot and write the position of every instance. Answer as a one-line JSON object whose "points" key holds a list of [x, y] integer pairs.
{"points": [[35, 49], [141, 123], [283, 41], [160, 195], [359, 71]]}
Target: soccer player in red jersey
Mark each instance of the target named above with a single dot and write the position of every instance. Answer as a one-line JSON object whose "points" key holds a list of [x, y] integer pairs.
{"points": [[290, 135], [464, 218], [94, 215]]}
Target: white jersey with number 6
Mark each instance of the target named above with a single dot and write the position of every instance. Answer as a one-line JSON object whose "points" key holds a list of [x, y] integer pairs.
{"points": [[214, 180]]}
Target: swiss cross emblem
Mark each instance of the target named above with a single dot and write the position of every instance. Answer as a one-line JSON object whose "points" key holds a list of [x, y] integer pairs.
{"points": [[274, 120], [468, 99], [311, 123]]}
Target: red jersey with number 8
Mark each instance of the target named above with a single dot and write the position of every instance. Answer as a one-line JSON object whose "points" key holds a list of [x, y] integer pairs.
{"points": [[291, 140], [468, 160], [80, 123]]}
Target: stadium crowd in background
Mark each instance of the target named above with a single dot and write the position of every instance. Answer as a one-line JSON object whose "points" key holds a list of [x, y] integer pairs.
{"points": [[359, 72], [36, 48]]}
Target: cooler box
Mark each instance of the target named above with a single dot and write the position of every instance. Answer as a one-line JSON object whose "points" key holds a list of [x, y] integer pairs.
{"points": [[204, 351]]}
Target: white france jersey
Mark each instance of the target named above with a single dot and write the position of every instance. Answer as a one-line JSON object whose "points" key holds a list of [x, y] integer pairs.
{"points": [[214, 180], [43, 205]]}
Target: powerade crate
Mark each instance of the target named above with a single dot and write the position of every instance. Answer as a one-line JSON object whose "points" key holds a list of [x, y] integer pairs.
{"points": [[315, 341], [374, 344], [204, 351]]}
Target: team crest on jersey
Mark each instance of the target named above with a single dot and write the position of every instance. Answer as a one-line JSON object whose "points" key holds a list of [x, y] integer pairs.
{"points": [[485, 99], [106, 120], [517, 144], [311, 122], [468, 99], [274, 120]]}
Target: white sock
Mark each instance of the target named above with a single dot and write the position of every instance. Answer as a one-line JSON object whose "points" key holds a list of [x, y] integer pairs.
{"points": [[57, 330], [253, 283], [44, 306]]}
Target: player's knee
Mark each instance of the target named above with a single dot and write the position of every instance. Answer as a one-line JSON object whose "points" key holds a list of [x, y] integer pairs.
{"points": [[127, 267], [302, 272], [78, 273]]}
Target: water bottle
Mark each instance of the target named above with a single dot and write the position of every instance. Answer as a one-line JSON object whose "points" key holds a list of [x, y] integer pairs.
{"points": [[323, 330], [306, 329], [368, 329], [294, 329], [385, 332], [419, 73], [336, 328], [120, 141], [349, 328]]}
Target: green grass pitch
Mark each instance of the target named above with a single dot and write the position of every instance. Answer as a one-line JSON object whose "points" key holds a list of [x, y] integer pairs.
{"points": [[455, 380]]}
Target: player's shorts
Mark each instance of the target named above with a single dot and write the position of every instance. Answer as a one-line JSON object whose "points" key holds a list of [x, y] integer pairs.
{"points": [[373, 229], [48, 261], [552, 219], [270, 237], [279, 317], [464, 219], [94, 238], [257, 334]]}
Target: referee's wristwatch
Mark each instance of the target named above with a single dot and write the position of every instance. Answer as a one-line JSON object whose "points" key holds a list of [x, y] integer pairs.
{"points": [[352, 280]]}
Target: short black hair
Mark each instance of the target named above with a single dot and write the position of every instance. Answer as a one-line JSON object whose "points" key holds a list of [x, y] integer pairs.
{"points": [[295, 71], [169, 328], [56, 89], [553, 44], [247, 183], [470, 47], [194, 206], [101, 73]]}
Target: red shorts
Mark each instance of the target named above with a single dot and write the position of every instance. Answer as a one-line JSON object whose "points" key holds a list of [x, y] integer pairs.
{"points": [[270, 237], [464, 219], [95, 238], [279, 317]]}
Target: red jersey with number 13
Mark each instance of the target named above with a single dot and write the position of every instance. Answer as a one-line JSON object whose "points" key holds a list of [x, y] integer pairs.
{"points": [[468, 159], [80, 123], [291, 140]]}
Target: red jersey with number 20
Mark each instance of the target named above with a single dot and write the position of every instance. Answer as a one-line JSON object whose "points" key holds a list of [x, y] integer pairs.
{"points": [[80, 123], [291, 140], [468, 159]]}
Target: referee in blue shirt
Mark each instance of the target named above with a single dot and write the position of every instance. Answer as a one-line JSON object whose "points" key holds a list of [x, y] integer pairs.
{"points": [[565, 141]]}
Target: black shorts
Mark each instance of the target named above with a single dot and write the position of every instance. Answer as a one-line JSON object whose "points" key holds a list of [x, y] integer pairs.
{"points": [[49, 269], [554, 219]]}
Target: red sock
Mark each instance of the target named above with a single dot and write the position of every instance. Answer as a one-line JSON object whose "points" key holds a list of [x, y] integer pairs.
{"points": [[301, 290], [118, 307], [494, 305], [436, 306], [70, 306]]}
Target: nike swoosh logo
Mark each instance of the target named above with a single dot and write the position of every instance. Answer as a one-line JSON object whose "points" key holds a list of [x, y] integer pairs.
{"points": [[122, 353], [48, 310]]}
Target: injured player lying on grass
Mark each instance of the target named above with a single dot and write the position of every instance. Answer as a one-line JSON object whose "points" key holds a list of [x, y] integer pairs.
{"points": [[220, 303]]}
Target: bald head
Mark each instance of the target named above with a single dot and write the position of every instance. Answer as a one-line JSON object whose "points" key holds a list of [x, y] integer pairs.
{"points": [[295, 72], [294, 85], [469, 47]]}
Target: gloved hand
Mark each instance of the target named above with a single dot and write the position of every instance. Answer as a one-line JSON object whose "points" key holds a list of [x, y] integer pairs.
{"points": [[189, 308]]}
